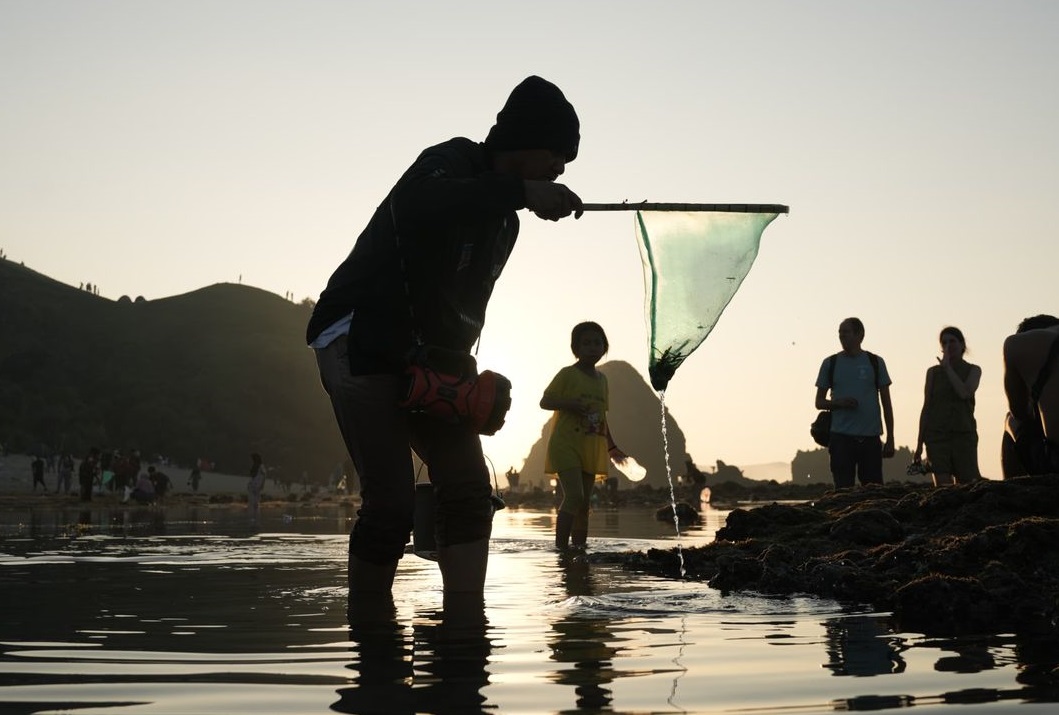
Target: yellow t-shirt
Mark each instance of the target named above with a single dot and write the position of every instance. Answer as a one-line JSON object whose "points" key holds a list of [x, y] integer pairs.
{"points": [[578, 441]]}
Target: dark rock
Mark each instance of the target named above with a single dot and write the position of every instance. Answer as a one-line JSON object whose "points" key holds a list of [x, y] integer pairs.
{"points": [[764, 520], [869, 527], [939, 604], [685, 512], [979, 558]]}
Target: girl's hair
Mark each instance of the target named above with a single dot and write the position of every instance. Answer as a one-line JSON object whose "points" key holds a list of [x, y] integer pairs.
{"points": [[954, 332], [587, 327]]}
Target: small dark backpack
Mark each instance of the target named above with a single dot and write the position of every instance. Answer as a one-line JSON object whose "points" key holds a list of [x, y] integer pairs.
{"points": [[820, 429]]}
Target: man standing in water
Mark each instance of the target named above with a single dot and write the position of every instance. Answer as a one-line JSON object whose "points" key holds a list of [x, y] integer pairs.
{"points": [[858, 381], [422, 272]]}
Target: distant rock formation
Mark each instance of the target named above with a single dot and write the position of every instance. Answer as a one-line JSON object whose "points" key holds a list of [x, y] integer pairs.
{"points": [[635, 421], [814, 467]]}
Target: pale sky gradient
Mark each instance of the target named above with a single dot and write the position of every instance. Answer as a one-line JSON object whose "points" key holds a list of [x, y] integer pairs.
{"points": [[155, 148]]}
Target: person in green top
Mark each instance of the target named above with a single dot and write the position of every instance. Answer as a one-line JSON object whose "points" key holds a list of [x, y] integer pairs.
{"points": [[946, 423], [580, 446]]}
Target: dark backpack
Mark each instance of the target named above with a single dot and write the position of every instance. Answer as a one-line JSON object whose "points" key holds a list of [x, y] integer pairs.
{"points": [[820, 429]]}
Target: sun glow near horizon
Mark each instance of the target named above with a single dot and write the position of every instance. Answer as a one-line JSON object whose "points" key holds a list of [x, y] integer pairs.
{"points": [[153, 148]]}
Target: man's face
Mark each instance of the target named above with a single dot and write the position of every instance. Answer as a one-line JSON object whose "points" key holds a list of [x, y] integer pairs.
{"points": [[849, 336], [539, 164]]}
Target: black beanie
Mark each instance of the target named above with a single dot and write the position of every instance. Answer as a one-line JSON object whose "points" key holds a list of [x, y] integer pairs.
{"points": [[536, 116]]}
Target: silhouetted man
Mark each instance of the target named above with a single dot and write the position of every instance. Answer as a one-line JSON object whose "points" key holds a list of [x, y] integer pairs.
{"points": [[858, 382], [421, 273], [1032, 430]]}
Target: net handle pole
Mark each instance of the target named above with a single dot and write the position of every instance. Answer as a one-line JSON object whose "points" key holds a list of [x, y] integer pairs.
{"points": [[648, 206]]}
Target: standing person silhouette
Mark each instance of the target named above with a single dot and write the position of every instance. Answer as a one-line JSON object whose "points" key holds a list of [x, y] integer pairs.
{"points": [[37, 469], [580, 446], [1031, 364], [421, 274], [256, 483], [195, 477], [946, 423], [858, 382], [86, 473]]}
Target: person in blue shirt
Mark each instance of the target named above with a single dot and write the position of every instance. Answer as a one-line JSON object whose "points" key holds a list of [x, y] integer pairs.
{"points": [[858, 384]]}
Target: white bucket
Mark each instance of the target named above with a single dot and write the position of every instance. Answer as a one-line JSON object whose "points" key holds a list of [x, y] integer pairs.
{"points": [[424, 543]]}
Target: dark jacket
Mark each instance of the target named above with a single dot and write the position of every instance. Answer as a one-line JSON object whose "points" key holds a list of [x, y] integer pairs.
{"points": [[452, 219]]}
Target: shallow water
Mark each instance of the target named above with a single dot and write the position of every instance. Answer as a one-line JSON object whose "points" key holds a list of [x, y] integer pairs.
{"points": [[196, 611]]}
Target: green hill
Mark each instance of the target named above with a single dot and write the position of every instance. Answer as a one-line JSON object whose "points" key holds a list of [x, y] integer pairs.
{"points": [[218, 373]]}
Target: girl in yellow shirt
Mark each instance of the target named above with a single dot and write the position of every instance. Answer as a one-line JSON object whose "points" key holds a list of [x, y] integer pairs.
{"points": [[581, 445]]}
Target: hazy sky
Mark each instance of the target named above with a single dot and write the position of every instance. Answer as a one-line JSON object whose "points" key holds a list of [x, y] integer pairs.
{"points": [[154, 148]]}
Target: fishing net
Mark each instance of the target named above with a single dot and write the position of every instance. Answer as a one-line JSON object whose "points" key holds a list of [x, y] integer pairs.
{"points": [[693, 263]]}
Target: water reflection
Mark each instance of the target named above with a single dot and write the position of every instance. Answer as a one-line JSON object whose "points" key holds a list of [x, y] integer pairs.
{"points": [[44, 520], [862, 645], [382, 660], [583, 641], [439, 666], [185, 610], [972, 655], [1038, 659]]}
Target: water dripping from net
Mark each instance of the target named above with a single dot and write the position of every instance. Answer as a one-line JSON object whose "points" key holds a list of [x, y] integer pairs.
{"points": [[669, 478]]}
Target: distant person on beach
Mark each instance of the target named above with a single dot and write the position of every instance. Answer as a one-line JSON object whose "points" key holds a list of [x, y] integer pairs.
{"points": [[258, 474], [580, 446], [513, 478], [86, 473], [126, 470], [143, 492], [421, 274], [107, 461], [36, 468], [194, 478], [65, 472], [858, 382], [160, 480], [1031, 362], [946, 423]]}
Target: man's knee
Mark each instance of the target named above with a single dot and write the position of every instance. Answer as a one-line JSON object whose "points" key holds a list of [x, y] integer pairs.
{"points": [[380, 539]]}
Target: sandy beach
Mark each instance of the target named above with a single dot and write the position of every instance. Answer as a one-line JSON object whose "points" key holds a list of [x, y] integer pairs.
{"points": [[16, 485]]}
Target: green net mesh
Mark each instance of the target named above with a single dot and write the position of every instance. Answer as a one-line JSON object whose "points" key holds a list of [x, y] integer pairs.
{"points": [[693, 263]]}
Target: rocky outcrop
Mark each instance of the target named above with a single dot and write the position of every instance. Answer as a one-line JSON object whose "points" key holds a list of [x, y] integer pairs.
{"points": [[968, 559]]}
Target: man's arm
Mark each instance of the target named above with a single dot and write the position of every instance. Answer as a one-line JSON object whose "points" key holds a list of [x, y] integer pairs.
{"points": [[927, 389], [965, 389], [446, 184], [835, 403], [551, 201], [1015, 387], [888, 421]]}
